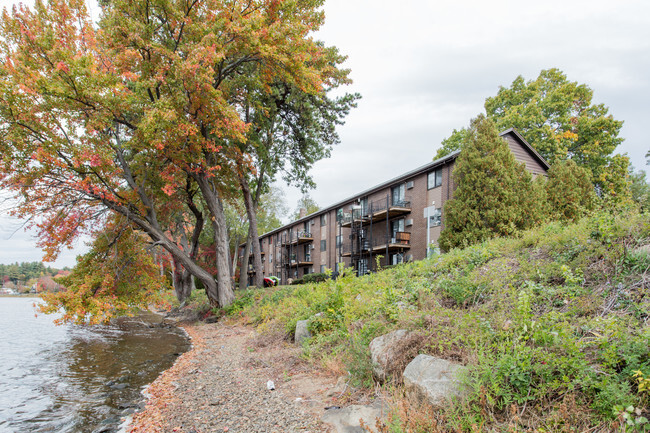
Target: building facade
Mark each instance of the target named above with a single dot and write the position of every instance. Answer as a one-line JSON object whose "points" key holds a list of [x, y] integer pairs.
{"points": [[390, 223]]}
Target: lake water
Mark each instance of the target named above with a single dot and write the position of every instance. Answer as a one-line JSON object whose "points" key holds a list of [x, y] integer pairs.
{"points": [[73, 378]]}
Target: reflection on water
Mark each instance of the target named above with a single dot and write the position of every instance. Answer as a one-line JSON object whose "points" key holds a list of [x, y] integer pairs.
{"points": [[77, 379]]}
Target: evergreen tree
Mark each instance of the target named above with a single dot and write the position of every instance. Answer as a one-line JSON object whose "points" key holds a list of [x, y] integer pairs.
{"points": [[570, 191], [495, 194]]}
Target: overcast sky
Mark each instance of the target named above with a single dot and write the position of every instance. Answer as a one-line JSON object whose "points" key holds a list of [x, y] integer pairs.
{"points": [[424, 68]]}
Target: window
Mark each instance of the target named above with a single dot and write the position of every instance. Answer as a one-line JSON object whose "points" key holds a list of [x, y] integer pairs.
{"points": [[396, 259], [435, 218], [397, 226], [434, 178], [323, 220], [339, 214], [339, 241], [323, 245], [398, 194], [322, 269], [308, 253]]}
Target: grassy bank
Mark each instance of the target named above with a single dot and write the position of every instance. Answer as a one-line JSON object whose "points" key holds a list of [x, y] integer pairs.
{"points": [[553, 326]]}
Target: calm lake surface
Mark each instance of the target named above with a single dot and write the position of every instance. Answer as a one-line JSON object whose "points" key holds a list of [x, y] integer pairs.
{"points": [[77, 379]]}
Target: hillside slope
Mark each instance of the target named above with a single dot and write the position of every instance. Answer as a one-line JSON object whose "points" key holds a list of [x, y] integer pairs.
{"points": [[553, 326]]}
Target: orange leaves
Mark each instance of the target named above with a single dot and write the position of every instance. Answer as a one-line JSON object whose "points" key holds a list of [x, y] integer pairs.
{"points": [[116, 277]]}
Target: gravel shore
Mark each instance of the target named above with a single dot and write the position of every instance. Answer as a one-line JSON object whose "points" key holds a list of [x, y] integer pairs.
{"points": [[221, 386]]}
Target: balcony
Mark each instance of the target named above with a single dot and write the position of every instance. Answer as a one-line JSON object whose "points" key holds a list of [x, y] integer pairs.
{"points": [[377, 211], [400, 242], [298, 238], [296, 261], [358, 247], [381, 209]]}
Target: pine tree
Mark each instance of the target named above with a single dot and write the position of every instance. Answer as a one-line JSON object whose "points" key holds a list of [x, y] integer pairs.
{"points": [[495, 194]]}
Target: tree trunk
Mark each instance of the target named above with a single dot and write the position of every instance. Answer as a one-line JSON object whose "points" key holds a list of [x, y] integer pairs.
{"points": [[233, 266], [223, 294], [252, 230], [182, 283], [243, 268]]}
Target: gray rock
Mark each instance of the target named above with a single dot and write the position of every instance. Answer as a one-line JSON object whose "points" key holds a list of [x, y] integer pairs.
{"points": [[302, 332], [346, 420], [432, 380], [382, 352]]}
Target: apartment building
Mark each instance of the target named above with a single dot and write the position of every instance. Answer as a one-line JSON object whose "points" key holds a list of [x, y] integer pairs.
{"points": [[390, 223]]}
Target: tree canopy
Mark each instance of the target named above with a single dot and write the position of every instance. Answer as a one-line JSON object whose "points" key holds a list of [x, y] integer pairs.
{"points": [[307, 203], [143, 116], [557, 116]]}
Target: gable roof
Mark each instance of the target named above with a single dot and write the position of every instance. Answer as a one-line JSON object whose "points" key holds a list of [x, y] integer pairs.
{"points": [[527, 146]]}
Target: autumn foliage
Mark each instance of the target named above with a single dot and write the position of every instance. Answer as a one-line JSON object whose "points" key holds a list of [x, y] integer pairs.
{"points": [[116, 277], [142, 115]]}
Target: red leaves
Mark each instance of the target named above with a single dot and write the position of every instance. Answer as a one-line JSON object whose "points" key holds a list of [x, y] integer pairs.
{"points": [[60, 66]]}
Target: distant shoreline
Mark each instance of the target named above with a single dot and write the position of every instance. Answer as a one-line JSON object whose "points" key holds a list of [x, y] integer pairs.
{"points": [[28, 295]]}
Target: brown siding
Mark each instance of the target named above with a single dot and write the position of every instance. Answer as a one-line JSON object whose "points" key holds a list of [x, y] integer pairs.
{"points": [[523, 155]]}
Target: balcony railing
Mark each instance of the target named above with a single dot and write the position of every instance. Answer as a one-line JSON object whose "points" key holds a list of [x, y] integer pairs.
{"points": [[299, 237], [295, 260], [397, 241], [377, 210]]}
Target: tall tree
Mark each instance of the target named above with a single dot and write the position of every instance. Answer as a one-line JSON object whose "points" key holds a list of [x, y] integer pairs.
{"points": [[560, 120], [290, 130], [495, 194], [640, 188], [123, 117]]}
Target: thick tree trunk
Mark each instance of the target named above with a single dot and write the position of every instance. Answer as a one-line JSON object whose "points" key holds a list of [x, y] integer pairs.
{"points": [[252, 231], [223, 294], [182, 283]]}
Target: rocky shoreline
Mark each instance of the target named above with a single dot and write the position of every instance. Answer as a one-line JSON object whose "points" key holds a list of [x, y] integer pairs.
{"points": [[221, 384]]}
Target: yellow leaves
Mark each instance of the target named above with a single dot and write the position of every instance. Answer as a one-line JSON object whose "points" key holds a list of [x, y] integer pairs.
{"points": [[568, 135]]}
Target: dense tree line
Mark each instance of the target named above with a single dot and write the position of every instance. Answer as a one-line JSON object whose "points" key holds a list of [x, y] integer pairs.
{"points": [[21, 272]]}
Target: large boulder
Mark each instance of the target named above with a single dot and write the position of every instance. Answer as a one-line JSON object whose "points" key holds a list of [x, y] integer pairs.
{"points": [[302, 331], [432, 380], [384, 351]]}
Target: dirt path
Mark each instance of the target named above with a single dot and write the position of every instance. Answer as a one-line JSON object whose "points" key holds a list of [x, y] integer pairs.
{"points": [[221, 386]]}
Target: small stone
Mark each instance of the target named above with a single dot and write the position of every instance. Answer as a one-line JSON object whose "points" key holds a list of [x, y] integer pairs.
{"points": [[270, 385]]}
